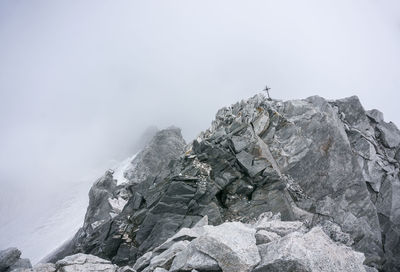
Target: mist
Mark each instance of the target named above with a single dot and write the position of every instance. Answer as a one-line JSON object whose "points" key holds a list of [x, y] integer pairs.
{"points": [[80, 81]]}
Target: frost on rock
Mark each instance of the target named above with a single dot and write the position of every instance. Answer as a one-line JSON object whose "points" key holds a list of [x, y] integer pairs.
{"points": [[117, 204]]}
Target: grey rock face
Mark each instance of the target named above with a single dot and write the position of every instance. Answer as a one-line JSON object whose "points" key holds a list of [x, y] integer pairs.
{"points": [[99, 208], [165, 146], [314, 161]]}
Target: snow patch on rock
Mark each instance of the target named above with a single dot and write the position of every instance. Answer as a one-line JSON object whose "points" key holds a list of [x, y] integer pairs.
{"points": [[121, 168]]}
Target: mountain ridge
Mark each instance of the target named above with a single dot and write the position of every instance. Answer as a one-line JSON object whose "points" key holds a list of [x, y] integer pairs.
{"points": [[316, 161]]}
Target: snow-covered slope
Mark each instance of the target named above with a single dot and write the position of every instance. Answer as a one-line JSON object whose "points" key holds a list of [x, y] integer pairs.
{"points": [[46, 225], [121, 168]]}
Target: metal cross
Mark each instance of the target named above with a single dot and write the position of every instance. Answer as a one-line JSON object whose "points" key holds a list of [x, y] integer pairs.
{"points": [[267, 90]]}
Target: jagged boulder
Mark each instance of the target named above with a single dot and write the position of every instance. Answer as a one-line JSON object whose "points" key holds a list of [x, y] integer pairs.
{"points": [[232, 245], [309, 252], [10, 260], [83, 262], [8, 257], [99, 209]]}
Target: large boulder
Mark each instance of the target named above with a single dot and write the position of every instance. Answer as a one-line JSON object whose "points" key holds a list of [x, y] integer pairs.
{"points": [[8, 257], [85, 263], [10, 260], [232, 245], [310, 252]]}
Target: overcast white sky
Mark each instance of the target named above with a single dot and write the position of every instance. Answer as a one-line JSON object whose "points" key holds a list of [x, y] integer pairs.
{"points": [[81, 80]]}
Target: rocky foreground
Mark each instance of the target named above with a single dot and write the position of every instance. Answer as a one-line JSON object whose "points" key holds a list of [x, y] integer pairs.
{"points": [[268, 244], [301, 185]]}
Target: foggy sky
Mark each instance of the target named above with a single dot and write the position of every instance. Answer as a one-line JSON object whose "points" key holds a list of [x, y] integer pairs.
{"points": [[81, 80]]}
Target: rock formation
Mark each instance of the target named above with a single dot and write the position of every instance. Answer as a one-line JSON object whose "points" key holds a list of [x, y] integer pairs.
{"points": [[232, 246], [10, 260], [77, 263], [329, 168]]}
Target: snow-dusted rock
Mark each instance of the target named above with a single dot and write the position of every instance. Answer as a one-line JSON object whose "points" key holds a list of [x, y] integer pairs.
{"points": [[117, 204]]}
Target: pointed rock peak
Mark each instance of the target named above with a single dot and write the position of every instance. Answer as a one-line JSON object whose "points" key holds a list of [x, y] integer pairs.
{"points": [[144, 139], [166, 145], [170, 133]]}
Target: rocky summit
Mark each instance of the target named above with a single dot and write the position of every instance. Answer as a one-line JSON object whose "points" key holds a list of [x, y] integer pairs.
{"points": [[300, 185]]}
